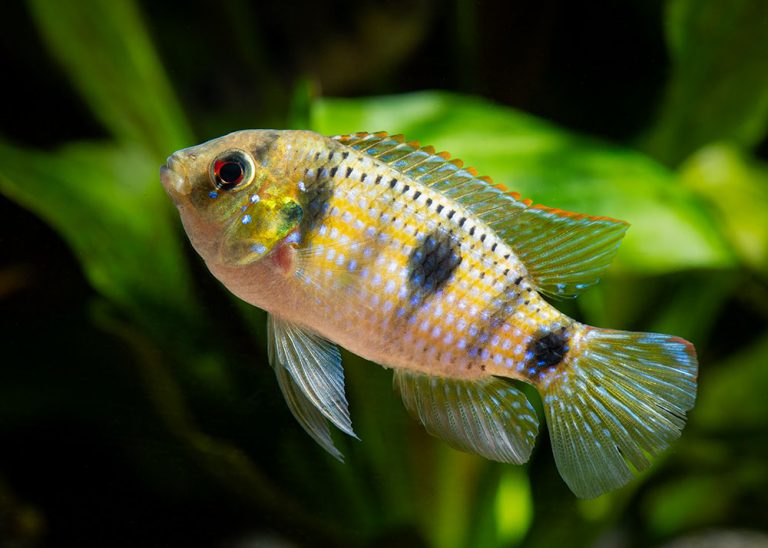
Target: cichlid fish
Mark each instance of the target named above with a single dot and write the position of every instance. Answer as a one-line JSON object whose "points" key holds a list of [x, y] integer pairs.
{"points": [[412, 261]]}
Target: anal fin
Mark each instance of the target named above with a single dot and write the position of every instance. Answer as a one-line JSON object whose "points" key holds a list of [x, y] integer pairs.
{"points": [[489, 416]]}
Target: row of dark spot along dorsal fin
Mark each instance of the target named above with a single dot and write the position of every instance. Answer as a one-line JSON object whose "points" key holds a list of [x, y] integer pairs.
{"points": [[563, 252]]}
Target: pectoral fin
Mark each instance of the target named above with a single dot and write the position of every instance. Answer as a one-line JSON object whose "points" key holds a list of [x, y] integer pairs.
{"points": [[309, 371], [313, 422]]}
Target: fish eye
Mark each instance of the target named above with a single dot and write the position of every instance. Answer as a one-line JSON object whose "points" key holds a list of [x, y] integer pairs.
{"points": [[231, 169]]}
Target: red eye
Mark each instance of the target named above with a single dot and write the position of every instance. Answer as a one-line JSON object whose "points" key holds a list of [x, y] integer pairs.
{"points": [[231, 169]]}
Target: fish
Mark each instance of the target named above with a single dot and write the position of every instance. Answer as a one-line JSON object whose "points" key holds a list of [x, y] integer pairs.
{"points": [[409, 259]]}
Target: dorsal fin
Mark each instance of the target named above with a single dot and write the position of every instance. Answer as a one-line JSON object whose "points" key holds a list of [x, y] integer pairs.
{"points": [[563, 252]]}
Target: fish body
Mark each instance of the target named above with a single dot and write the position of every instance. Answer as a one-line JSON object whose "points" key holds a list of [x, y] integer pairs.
{"points": [[412, 261]]}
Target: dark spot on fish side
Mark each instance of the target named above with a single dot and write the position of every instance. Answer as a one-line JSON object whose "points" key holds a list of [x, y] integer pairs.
{"points": [[432, 263]]}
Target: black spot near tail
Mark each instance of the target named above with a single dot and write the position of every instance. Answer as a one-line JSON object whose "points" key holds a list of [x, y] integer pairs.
{"points": [[547, 350], [432, 264]]}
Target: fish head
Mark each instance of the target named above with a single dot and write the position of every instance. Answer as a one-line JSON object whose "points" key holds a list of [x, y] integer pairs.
{"points": [[236, 203]]}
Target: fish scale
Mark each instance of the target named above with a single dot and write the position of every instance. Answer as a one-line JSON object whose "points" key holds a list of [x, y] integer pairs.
{"points": [[406, 257]]}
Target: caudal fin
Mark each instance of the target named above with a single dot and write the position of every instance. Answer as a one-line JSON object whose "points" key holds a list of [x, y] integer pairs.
{"points": [[618, 399]]}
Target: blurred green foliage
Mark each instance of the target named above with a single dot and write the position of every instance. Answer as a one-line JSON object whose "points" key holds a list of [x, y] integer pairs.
{"points": [[179, 398]]}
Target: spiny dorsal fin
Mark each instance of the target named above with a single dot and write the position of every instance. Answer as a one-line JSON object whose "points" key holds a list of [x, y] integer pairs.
{"points": [[563, 252]]}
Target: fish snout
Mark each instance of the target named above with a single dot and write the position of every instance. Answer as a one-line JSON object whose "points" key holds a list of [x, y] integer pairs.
{"points": [[173, 176]]}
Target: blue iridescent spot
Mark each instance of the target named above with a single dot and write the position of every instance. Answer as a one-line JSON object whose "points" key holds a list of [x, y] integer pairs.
{"points": [[261, 248], [246, 219], [213, 194]]}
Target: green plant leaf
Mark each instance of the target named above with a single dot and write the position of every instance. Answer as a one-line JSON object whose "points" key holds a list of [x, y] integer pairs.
{"points": [[718, 89], [736, 188], [106, 51], [107, 203], [670, 230]]}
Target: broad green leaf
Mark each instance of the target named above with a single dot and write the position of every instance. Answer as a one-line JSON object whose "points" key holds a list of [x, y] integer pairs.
{"points": [[737, 189], [107, 202], [670, 230], [718, 89], [106, 51]]}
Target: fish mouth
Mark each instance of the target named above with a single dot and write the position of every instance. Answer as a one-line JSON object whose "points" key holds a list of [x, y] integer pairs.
{"points": [[173, 178]]}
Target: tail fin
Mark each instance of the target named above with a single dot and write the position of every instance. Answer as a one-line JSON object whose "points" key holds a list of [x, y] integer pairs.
{"points": [[619, 398]]}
